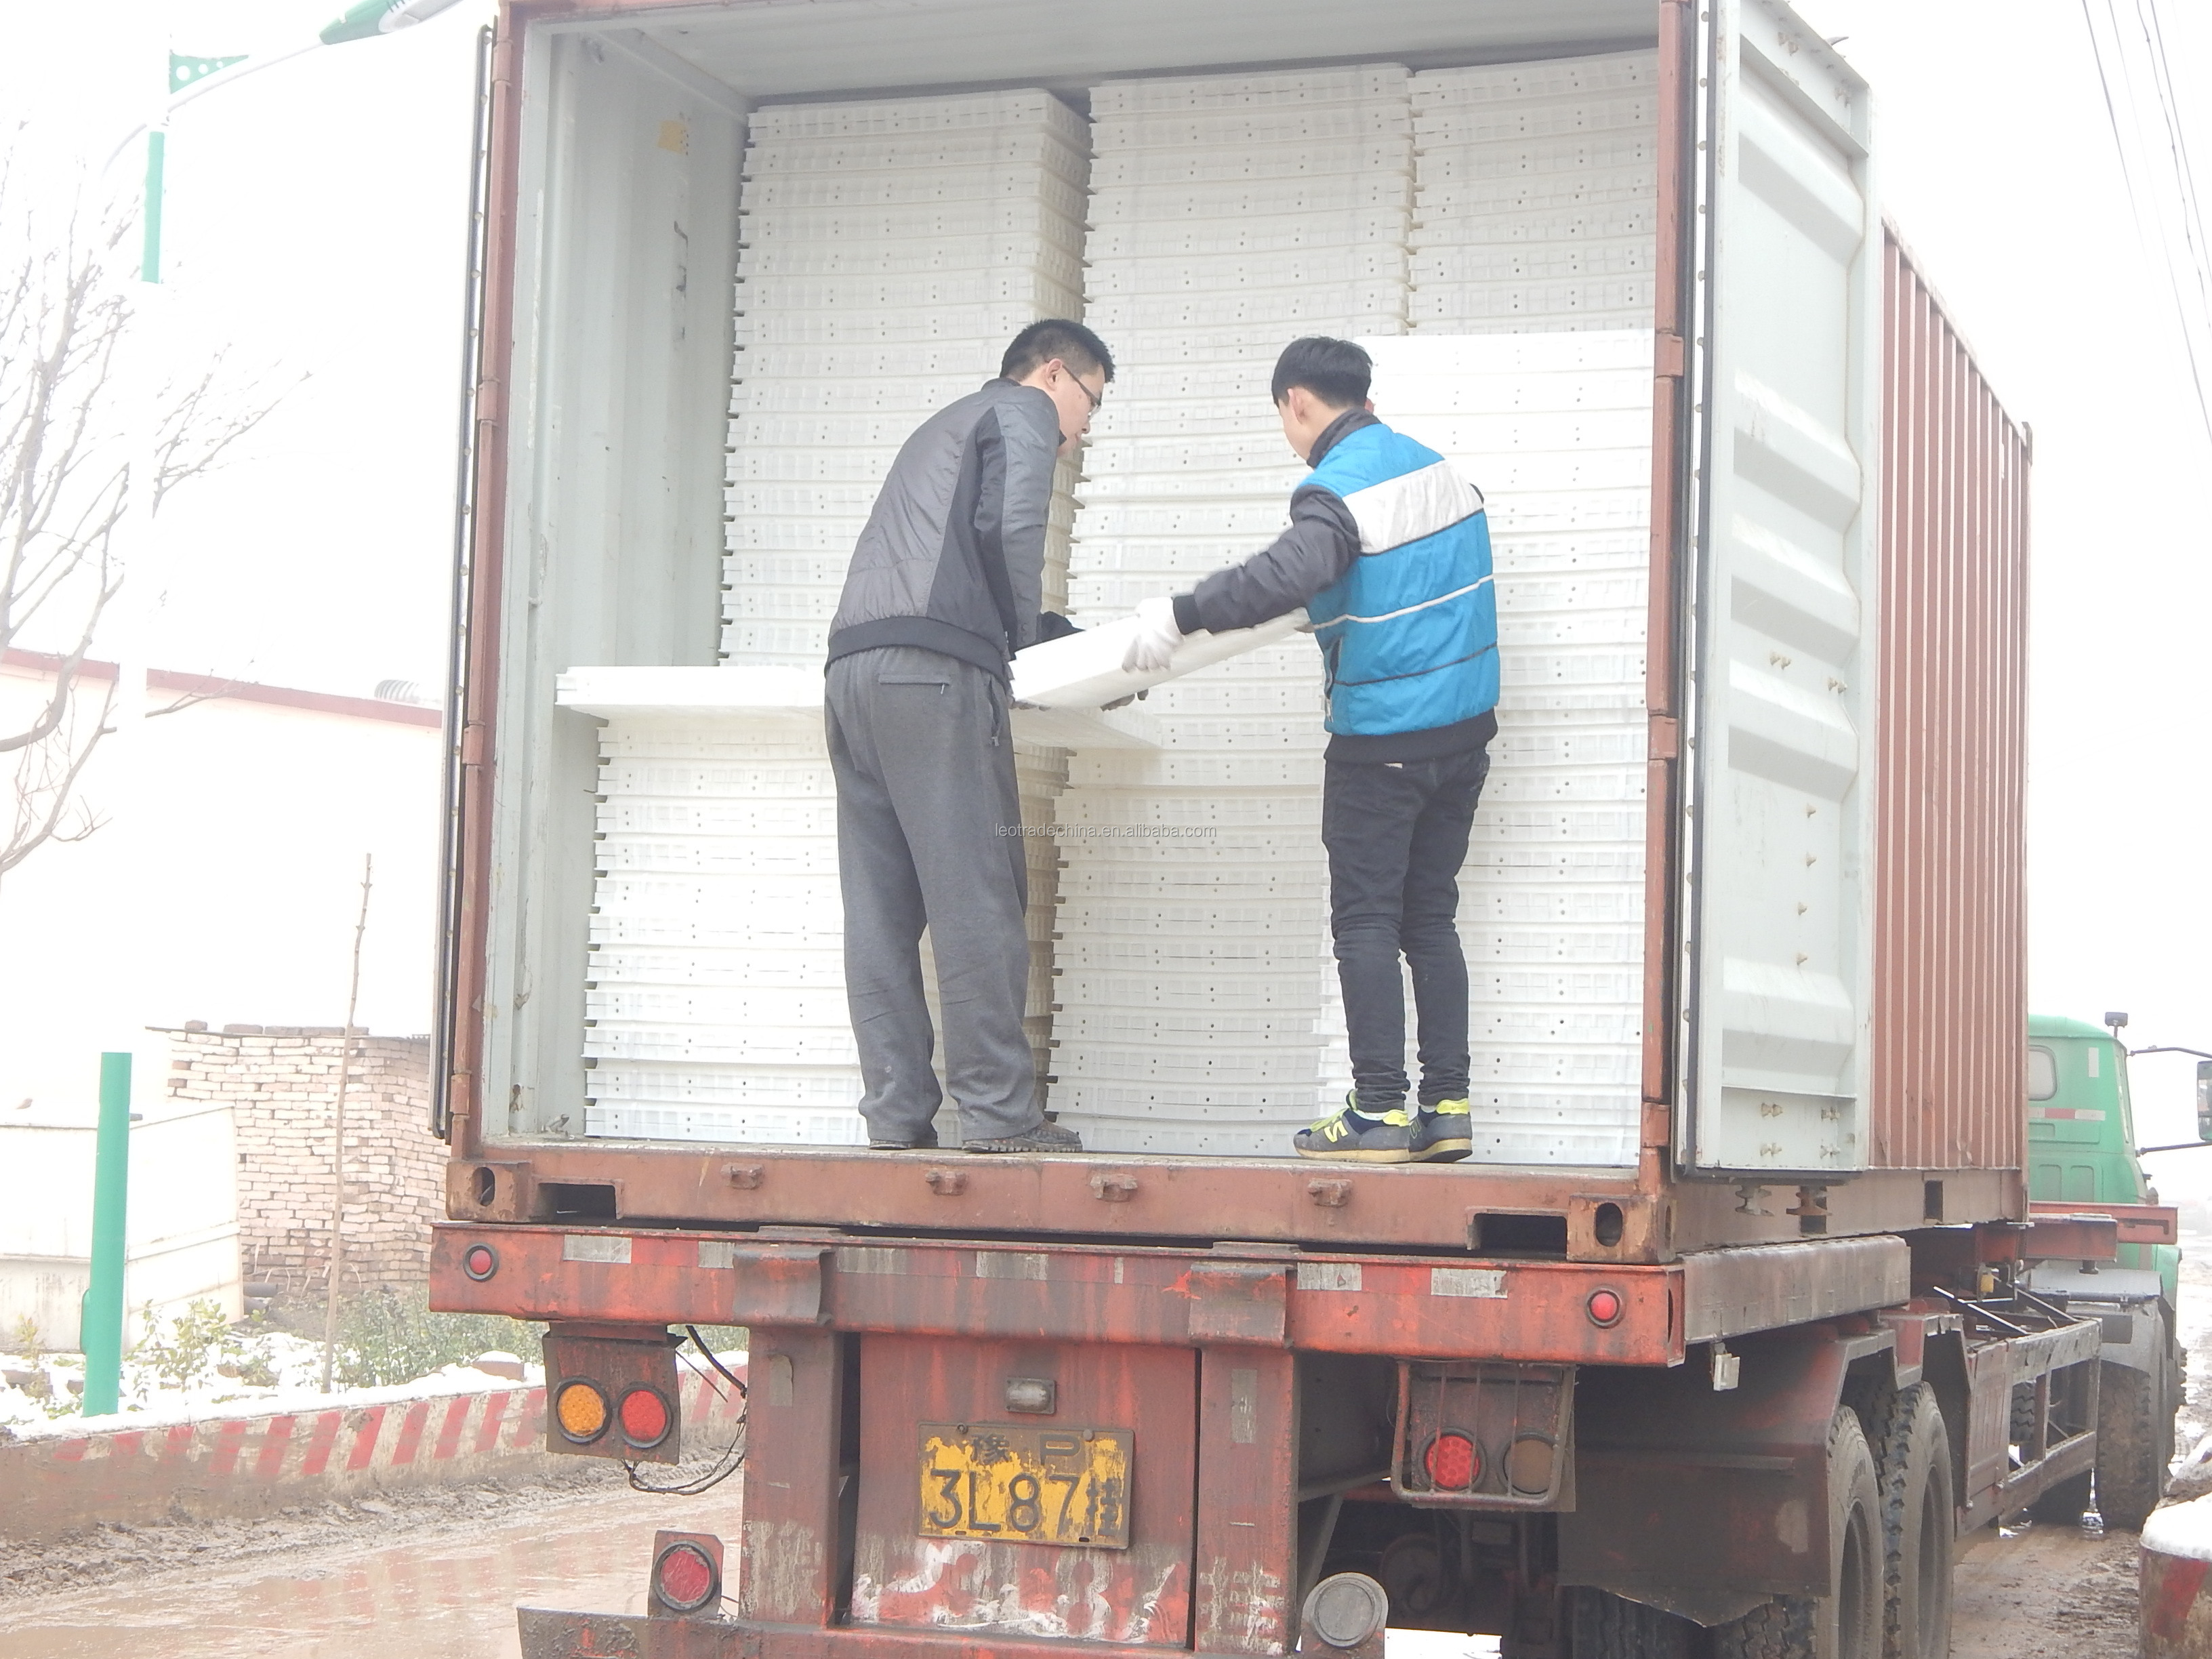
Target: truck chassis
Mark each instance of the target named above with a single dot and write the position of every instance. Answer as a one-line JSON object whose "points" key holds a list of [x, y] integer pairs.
{"points": [[1657, 1455]]}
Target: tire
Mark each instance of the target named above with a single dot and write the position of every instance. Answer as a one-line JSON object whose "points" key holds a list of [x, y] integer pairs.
{"points": [[1913, 1470], [1847, 1622], [2064, 1503], [1603, 1626], [2132, 1452]]}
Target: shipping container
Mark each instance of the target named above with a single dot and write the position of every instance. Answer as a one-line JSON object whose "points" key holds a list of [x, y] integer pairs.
{"points": [[1743, 910]]}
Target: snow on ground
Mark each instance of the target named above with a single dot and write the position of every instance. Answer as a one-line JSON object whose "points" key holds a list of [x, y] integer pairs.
{"points": [[239, 1376]]}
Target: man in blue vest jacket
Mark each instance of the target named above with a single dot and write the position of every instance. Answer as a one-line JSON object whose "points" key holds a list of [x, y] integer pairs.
{"points": [[1389, 550]]}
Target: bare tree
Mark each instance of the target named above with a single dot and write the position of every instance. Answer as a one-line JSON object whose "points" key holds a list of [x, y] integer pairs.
{"points": [[74, 479]]}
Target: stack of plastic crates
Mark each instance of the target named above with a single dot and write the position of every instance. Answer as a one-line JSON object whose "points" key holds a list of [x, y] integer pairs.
{"points": [[1231, 215], [1538, 196], [891, 250], [715, 999]]}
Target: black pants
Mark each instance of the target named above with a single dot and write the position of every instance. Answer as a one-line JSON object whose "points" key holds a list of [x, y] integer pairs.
{"points": [[1396, 833]]}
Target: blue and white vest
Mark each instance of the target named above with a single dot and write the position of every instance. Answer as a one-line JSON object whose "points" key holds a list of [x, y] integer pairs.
{"points": [[1409, 633]]}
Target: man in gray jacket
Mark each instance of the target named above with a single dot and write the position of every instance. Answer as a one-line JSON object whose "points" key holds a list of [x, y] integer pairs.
{"points": [[945, 586]]}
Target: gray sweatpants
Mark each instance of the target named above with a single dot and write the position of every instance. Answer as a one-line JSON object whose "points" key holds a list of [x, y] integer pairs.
{"points": [[929, 834]]}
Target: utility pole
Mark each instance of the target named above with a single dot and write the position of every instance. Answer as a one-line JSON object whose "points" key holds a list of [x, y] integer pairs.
{"points": [[101, 1337], [337, 1135]]}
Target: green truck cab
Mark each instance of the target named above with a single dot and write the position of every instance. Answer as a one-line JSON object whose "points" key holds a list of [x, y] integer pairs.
{"points": [[2082, 1131], [2081, 1151]]}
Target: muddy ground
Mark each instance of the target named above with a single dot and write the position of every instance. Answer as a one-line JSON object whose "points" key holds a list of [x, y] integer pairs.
{"points": [[441, 1571]]}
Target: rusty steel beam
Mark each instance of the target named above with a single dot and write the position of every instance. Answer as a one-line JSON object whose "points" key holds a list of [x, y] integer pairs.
{"points": [[1412, 1308], [1286, 1199], [546, 1634], [2139, 1224], [2064, 1237], [1730, 1291], [1409, 1307]]}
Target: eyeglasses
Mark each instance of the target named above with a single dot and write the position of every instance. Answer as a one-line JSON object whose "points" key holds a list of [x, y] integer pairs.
{"points": [[1096, 397]]}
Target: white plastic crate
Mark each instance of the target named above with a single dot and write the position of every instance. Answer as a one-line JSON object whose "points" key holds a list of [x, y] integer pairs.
{"points": [[782, 257], [1307, 229], [1463, 246], [729, 1126], [965, 362], [1253, 127], [896, 226], [1459, 308], [923, 186], [1463, 210], [1499, 121], [1246, 165], [997, 285], [994, 320], [886, 153], [1026, 107], [1325, 265], [1322, 193], [812, 463], [1554, 77], [1175, 94], [820, 965]]}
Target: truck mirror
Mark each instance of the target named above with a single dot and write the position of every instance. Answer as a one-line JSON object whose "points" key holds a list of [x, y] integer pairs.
{"points": [[2204, 1100]]}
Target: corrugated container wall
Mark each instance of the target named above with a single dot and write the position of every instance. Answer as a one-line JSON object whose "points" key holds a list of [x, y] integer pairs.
{"points": [[1951, 1004]]}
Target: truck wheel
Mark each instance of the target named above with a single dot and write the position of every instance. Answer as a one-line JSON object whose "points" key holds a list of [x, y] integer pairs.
{"points": [[1913, 1468], [2130, 1470], [1847, 1622], [1603, 1626]]}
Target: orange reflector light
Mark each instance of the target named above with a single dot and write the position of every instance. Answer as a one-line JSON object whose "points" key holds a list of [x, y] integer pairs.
{"points": [[644, 1417], [1604, 1307], [1529, 1464], [1454, 1464], [582, 1411], [684, 1579]]}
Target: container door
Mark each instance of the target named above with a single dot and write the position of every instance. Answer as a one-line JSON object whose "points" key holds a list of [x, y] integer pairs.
{"points": [[1780, 933]]}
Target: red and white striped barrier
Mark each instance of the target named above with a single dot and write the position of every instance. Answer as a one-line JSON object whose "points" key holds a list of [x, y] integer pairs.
{"points": [[2177, 1555], [252, 1465]]}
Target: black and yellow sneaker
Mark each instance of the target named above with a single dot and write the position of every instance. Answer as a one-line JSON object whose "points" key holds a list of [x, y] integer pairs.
{"points": [[1443, 1133], [1354, 1137]]}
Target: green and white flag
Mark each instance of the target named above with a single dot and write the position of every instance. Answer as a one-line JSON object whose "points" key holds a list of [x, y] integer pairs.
{"points": [[185, 72], [374, 17]]}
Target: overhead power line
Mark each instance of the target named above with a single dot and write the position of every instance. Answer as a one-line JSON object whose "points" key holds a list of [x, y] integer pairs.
{"points": [[2160, 182]]}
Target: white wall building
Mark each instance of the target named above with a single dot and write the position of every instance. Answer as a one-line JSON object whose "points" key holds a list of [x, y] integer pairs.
{"points": [[224, 886]]}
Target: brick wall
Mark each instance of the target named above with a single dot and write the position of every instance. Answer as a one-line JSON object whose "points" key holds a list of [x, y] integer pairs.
{"points": [[281, 1083]]}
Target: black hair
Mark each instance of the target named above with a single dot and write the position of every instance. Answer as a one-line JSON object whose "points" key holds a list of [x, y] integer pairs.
{"points": [[1337, 372], [1055, 337]]}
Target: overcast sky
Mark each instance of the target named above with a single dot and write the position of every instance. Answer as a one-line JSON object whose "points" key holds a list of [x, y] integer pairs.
{"points": [[315, 223]]}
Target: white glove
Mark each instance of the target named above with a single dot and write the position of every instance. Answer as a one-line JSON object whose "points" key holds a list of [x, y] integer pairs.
{"points": [[1157, 636]]}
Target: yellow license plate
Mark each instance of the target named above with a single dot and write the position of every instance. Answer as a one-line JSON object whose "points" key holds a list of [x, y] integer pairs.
{"points": [[1026, 1486]]}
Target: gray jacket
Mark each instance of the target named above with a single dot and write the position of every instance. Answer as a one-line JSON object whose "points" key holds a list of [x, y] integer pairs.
{"points": [[953, 556]]}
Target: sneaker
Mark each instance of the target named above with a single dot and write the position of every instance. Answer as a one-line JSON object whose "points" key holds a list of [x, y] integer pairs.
{"points": [[1443, 1133], [1045, 1138], [924, 1142], [1355, 1138]]}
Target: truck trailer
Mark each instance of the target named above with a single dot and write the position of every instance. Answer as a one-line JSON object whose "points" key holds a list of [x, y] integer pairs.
{"points": [[1722, 1336]]}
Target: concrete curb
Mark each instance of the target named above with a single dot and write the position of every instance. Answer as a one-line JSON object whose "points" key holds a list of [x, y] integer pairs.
{"points": [[247, 1466]]}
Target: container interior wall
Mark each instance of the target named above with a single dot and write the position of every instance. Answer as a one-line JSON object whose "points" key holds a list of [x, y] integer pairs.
{"points": [[1950, 1008], [601, 571], [626, 239]]}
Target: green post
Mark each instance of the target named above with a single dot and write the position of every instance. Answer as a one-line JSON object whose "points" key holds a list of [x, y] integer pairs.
{"points": [[102, 1337], [150, 265]]}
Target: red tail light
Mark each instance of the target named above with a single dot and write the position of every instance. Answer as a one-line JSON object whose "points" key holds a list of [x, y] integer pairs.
{"points": [[686, 1578], [1604, 1307], [1454, 1462], [645, 1417]]}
